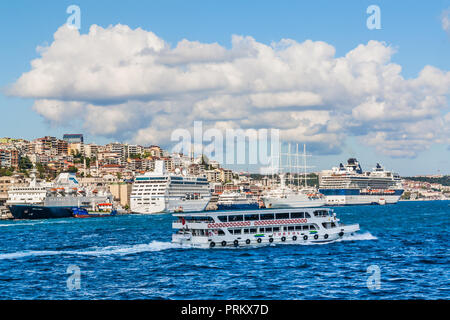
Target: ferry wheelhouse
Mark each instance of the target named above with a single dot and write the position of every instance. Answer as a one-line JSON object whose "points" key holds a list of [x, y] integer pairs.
{"points": [[259, 227]]}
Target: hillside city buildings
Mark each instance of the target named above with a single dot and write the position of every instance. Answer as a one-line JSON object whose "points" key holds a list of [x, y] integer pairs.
{"points": [[116, 164]]}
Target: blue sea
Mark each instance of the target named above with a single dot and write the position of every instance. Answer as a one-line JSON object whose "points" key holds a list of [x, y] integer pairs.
{"points": [[131, 257]]}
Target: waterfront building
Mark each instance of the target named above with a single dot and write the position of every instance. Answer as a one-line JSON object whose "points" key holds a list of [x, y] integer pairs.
{"points": [[121, 192]]}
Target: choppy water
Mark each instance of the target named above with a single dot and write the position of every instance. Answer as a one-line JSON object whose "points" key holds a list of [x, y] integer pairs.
{"points": [[131, 257]]}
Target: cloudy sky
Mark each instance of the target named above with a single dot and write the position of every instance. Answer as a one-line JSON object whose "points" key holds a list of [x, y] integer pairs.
{"points": [[136, 72]]}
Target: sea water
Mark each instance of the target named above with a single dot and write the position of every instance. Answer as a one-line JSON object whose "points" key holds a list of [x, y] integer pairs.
{"points": [[401, 252]]}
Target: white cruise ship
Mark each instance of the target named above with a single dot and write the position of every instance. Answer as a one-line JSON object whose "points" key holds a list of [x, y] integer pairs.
{"points": [[347, 185], [160, 191]]}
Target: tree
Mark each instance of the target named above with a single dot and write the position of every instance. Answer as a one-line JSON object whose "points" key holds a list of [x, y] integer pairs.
{"points": [[41, 169], [6, 172], [73, 169], [25, 163]]}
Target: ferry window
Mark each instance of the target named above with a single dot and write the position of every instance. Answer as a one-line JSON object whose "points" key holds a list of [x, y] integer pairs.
{"points": [[253, 230], [307, 215], [237, 231], [298, 228], [284, 215], [236, 218], [276, 229], [246, 231], [268, 229], [221, 233], [267, 216], [306, 227], [251, 217], [326, 225], [312, 227], [291, 228], [333, 225], [223, 218], [297, 215]]}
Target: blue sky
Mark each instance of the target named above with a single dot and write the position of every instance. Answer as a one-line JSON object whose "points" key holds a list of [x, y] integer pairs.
{"points": [[413, 28]]}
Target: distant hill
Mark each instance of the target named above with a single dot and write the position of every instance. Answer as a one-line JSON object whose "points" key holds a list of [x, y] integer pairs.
{"points": [[445, 180]]}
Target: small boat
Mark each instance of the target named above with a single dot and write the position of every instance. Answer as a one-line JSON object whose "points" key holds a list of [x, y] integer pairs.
{"points": [[243, 228], [101, 210]]}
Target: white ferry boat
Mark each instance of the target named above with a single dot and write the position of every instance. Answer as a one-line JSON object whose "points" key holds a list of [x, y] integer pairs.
{"points": [[348, 185], [285, 197], [160, 191], [258, 227]]}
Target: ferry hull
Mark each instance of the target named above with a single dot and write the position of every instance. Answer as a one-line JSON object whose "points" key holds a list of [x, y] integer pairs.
{"points": [[39, 212]]}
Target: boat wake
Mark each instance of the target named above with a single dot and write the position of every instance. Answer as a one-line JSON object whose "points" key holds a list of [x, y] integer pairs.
{"points": [[105, 251], [20, 223], [359, 237]]}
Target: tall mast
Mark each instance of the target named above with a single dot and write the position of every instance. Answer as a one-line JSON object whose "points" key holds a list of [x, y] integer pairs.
{"points": [[304, 162], [297, 171]]}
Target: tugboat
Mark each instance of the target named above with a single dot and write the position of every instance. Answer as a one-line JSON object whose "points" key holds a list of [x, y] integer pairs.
{"points": [[259, 227], [101, 210]]}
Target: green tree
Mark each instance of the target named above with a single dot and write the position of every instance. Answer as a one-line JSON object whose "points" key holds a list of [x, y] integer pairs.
{"points": [[6, 172], [73, 169], [25, 163]]}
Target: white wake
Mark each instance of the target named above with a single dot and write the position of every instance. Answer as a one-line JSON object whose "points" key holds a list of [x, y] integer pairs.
{"points": [[359, 237], [110, 250]]}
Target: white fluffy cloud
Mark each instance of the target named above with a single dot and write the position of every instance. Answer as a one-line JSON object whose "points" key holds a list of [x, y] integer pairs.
{"points": [[132, 85]]}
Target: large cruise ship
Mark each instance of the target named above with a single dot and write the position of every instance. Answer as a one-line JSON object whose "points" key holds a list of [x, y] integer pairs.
{"points": [[346, 185], [53, 200], [160, 191]]}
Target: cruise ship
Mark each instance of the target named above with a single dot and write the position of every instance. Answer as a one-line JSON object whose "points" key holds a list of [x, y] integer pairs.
{"points": [[348, 185], [53, 200], [160, 191]]}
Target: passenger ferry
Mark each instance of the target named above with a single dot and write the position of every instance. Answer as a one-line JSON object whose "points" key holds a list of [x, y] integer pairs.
{"points": [[160, 191], [221, 229]]}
